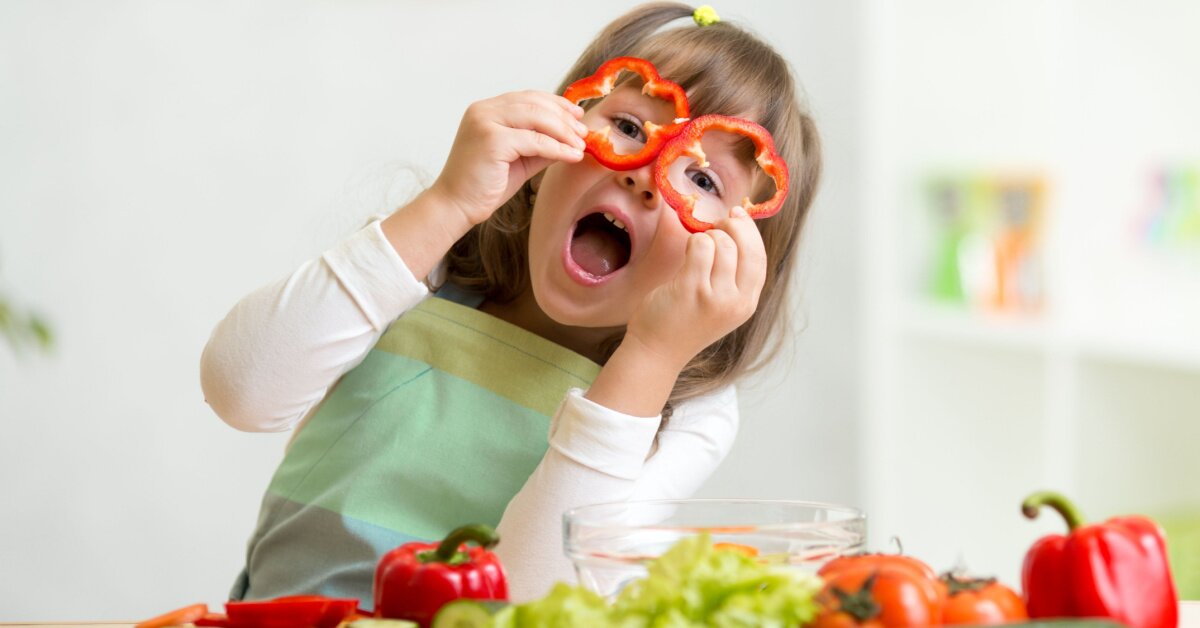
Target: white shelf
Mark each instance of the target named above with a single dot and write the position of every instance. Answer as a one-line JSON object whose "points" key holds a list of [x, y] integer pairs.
{"points": [[1147, 351], [984, 329], [1149, 347]]}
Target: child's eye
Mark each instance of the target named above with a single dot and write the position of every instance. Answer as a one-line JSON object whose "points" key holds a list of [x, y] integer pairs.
{"points": [[629, 126], [706, 182]]}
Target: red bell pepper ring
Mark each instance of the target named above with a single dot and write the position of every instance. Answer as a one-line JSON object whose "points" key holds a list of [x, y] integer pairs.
{"points": [[687, 144], [601, 83], [1116, 569], [415, 580]]}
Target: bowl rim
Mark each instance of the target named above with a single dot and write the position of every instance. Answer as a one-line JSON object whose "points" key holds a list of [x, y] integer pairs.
{"points": [[572, 516]]}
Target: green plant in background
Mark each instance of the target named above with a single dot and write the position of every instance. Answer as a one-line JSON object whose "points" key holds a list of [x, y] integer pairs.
{"points": [[1183, 549], [22, 330]]}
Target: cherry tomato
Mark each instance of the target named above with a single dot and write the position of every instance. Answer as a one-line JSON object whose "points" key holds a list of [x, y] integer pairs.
{"points": [[841, 619], [886, 593], [980, 601], [874, 560]]}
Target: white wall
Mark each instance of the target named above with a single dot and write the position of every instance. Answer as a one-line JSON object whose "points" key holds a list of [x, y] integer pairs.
{"points": [[160, 159]]}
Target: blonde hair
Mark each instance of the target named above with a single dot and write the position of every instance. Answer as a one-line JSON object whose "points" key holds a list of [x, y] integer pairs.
{"points": [[724, 69]]}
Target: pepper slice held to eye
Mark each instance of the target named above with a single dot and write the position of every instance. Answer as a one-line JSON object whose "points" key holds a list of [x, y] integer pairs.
{"points": [[600, 84], [687, 145]]}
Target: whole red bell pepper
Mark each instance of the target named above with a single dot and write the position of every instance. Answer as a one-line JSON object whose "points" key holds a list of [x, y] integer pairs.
{"points": [[415, 580], [688, 144], [1115, 569], [601, 83]]}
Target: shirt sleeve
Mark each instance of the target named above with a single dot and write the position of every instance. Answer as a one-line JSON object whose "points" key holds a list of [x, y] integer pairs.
{"points": [[272, 359], [598, 455]]}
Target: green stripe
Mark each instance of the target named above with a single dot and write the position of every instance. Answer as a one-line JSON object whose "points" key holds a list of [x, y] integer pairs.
{"points": [[435, 451], [510, 350]]}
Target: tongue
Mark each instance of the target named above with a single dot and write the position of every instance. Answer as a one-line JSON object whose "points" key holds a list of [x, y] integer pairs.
{"points": [[597, 252]]}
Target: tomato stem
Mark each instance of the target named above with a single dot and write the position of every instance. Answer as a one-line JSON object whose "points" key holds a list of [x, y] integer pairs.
{"points": [[860, 605], [956, 584]]}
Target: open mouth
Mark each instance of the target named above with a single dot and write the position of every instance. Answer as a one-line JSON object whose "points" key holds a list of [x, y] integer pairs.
{"points": [[600, 245]]}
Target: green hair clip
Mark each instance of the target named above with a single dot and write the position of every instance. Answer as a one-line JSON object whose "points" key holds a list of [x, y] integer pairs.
{"points": [[706, 16]]}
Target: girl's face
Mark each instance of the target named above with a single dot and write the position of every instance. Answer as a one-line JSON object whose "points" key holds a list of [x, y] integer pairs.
{"points": [[600, 241]]}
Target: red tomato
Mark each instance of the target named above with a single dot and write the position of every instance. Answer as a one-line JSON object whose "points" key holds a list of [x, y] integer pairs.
{"points": [[874, 560], [883, 593], [980, 601], [841, 619]]}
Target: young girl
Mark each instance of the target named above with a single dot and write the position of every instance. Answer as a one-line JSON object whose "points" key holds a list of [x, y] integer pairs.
{"points": [[555, 366]]}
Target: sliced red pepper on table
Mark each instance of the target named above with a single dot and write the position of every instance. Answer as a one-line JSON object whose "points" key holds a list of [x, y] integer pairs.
{"points": [[294, 611], [601, 83], [177, 617], [415, 580], [687, 144], [1115, 569]]}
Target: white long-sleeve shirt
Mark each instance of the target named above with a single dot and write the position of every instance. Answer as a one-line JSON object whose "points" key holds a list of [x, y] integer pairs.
{"points": [[275, 356]]}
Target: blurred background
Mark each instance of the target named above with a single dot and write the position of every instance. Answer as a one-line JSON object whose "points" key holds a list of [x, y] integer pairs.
{"points": [[1000, 287]]}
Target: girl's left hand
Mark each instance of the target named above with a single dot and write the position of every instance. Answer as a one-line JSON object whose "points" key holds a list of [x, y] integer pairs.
{"points": [[715, 291]]}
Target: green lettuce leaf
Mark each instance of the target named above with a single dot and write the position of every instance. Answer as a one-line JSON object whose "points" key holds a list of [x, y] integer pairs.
{"points": [[692, 584]]}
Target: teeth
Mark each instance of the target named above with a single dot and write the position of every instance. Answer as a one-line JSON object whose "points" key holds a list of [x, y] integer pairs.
{"points": [[613, 219]]}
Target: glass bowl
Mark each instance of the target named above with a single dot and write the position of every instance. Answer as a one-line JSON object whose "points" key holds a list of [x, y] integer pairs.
{"points": [[610, 544]]}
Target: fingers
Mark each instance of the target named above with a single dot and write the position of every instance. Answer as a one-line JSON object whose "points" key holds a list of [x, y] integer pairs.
{"points": [[544, 113], [751, 255], [529, 143], [698, 261], [725, 262]]}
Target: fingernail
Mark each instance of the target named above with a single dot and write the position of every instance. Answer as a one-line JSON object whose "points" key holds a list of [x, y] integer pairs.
{"points": [[580, 128], [738, 211]]}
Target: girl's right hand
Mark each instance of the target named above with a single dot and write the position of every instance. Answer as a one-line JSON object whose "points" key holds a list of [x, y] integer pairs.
{"points": [[501, 143]]}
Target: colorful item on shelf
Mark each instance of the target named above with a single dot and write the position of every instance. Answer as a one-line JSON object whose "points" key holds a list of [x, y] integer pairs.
{"points": [[947, 201], [986, 240], [1172, 216], [1115, 569]]}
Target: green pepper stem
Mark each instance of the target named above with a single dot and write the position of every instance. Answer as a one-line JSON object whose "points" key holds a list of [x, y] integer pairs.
{"points": [[481, 534], [1069, 512]]}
